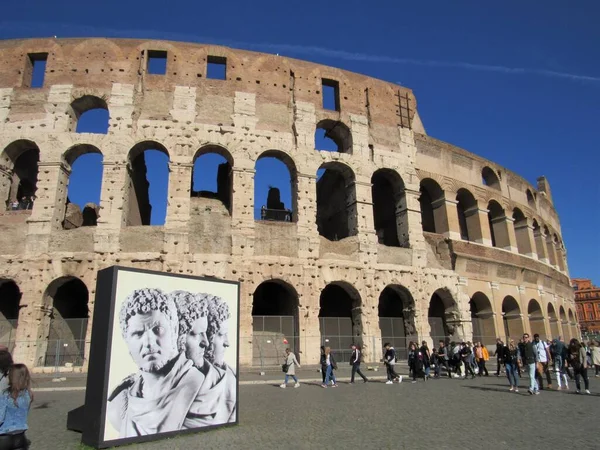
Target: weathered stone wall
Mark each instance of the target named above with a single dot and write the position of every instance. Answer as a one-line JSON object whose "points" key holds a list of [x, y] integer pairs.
{"points": [[267, 103]]}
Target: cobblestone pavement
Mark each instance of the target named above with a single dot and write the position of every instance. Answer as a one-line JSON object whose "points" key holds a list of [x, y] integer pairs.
{"points": [[438, 413]]}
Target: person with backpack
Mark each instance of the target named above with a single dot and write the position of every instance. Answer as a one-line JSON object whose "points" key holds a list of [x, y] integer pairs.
{"points": [[426, 358], [355, 360], [289, 367], [578, 361], [542, 361], [330, 365], [389, 359], [558, 352], [466, 355]]}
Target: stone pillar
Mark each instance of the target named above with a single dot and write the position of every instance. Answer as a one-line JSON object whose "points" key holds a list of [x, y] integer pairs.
{"points": [[121, 108], [245, 330], [504, 232], [58, 108], [49, 207], [477, 225], [304, 126], [359, 127], [540, 245], [244, 110], [551, 250], [411, 221], [5, 98], [5, 185], [561, 259], [361, 219], [178, 208], [445, 216], [242, 213], [310, 333], [306, 213], [525, 239], [113, 206]]}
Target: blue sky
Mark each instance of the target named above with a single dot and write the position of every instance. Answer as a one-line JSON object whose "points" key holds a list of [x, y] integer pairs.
{"points": [[516, 82]]}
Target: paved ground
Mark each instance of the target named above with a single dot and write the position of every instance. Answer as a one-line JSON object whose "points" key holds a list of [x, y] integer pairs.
{"points": [[440, 413]]}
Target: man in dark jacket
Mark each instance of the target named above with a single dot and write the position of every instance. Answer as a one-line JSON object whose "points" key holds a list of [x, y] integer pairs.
{"points": [[443, 359], [389, 358], [355, 360], [499, 353], [465, 352], [529, 359]]}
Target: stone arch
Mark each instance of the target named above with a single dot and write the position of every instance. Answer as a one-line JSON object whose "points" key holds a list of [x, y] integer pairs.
{"points": [[340, 318], [443, 316], [497, 223], [530, 198], [549, 246], [138, 202], [431, 201], [564, 323], [19, 173], [573, 325], [522, 235], [536, 318], [396, 310], [89, 114], [482, 319], [336, 201], [489, 178], [560, 254], [337, 132], [538, 237], [67, 300], [275, 326], [468, 218], [553, 319], [512, 318], [84, 184], [389, 208], [274, 208], [10, 304], [208, 162]]}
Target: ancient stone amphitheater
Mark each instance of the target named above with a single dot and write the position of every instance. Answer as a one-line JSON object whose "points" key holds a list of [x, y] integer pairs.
{"points": [[394, 236]]}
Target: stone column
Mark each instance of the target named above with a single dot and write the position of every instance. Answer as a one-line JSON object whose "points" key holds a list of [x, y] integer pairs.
{"points": [[306, 213], [113, 206], [178, 208], [361, 219], [504, 232], [445, 216], [525, 238], [242, 213], [245, 330], [411, 221], [359, 127], [310, 332], [551, 250], [49, 207], [5, 185], [477, 225], [540, 245]]}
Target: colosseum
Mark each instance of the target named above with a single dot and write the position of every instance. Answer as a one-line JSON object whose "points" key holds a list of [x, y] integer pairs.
{"points": [[395, 236]]}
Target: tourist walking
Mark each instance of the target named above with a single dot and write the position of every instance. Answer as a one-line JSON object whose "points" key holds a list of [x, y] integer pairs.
{"points": [[355, 360], [498, 354], [426, 358], [14, 408], [482, 356], [595, 351], [330, 366], [291, 362], [323, 362], [528, 360], [389, 359], [543, 361], [578, 361], [510, 358], [442, 360], [466, 354]]}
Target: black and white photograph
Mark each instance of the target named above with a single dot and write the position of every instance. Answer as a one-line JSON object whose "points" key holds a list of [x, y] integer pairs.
{"points": [[173, 358]]}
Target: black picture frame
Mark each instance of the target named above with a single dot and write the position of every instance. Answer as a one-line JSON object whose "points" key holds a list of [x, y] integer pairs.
{"points": [[90, 419]]}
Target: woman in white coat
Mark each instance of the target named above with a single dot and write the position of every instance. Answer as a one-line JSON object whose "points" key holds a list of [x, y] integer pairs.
{"points": [[292, 363], [595, 351]]}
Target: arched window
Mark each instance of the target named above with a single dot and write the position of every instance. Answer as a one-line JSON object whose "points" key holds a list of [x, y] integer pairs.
{"points": [[333, 136], [336, 201], [389, 208], [430, 200], [530, 199], [18, 182], [511, 316], [489, 178], [467, 215], [397, 317], [536, 318], [521, 232], [212, 177], [91, 114], [482, 319], [554, 328], [148, 187], [275, 187], [496, 220], [442, 308]]}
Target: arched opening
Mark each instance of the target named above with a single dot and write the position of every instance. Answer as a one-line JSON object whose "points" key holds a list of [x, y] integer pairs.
{"points": [[467, 210], [83, 186], [389, 208], [68, 322], [564, 323], [148, 187], [10, 302], [91, 114], [275, 187], [333, 136], [560, 254], [554, 329], [573, 325], [442, 316], [538, 238], [340, 320], [530, 199], [521, 232], [397, 318], [336, 201], [489, 178], [512, 318], [431, 201], [536, 318], [482, 319], [274, 322], [19, 174], [496, 220], [212, 179], [550, 247]]}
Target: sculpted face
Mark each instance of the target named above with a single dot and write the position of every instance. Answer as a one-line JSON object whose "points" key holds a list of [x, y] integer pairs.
{"points": [[196, 341], [220, 342], [150, 341]]}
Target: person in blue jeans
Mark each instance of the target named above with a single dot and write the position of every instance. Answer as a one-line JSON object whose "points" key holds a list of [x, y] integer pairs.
{"points": [[14, 409], [529, 360], [331, 366], [510, 357]]}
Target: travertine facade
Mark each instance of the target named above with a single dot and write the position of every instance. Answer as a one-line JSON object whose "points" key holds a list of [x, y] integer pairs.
{"points": [[491, 252]]}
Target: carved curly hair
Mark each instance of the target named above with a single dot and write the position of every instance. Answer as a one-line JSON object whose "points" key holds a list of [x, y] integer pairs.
{"points": [[144, 301], [190, 307], [218, 312]]}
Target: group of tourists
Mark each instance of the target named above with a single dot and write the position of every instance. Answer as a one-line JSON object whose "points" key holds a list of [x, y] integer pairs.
{"points": [[15, 399], [535, 359], [26, 202]]}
